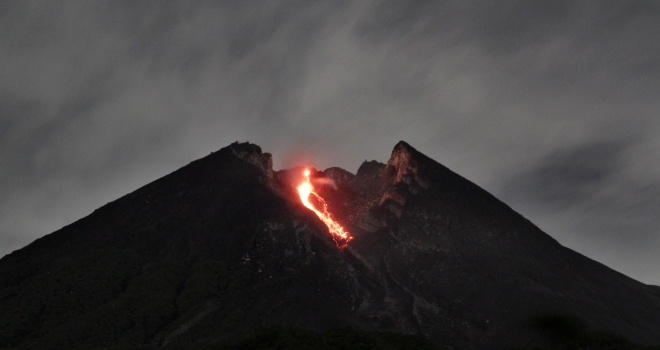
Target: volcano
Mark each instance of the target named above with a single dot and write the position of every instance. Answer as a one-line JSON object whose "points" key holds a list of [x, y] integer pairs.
{"points": [[223, 248]]}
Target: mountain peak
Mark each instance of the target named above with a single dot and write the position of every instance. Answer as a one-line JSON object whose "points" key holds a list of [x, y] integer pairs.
{"points": [[221, 247], [252, 154], [408, 165]]}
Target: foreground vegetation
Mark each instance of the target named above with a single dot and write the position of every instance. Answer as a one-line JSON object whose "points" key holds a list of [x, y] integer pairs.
{"points": [[567, 332], [283, 338], [564, 331]]}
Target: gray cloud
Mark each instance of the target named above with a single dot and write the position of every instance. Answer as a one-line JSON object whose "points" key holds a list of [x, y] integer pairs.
{"points": [[566, 178], [551, 105]]}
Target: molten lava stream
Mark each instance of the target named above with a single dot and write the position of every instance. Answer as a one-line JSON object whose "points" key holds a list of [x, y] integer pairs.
{"points": [[340, 236]]}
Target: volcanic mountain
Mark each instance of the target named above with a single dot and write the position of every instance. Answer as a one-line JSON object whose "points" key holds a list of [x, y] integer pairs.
{"points": [[223, 247]]}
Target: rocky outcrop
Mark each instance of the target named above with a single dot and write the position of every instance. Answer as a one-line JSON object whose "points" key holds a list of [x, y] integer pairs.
{"points": [[407, 168], [252, 154], [338, 175]]}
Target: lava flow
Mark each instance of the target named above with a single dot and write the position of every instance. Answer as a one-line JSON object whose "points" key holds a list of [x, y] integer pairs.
{"points": [[340, 236]]}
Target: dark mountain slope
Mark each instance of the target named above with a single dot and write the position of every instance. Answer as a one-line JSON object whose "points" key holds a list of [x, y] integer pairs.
{"points": [[223, 247], [463, 254], [208, 250]]}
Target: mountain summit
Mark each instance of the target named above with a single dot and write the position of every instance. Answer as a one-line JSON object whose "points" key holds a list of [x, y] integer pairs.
{"points": [[224, 247]]}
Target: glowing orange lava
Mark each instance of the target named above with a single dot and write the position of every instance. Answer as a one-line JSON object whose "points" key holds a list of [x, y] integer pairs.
{"points": [[305, 190]]}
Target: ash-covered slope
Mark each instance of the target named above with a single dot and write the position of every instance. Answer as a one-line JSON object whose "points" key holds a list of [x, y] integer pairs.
{"points": [[204, 253], [223, 247], [470, 263]]}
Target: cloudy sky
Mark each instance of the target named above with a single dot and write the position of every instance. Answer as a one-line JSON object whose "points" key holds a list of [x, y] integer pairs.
{"points": [[553, 106]]}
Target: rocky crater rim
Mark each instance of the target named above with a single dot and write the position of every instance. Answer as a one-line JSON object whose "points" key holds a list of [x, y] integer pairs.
{"points": [[403, 174], [405, 163], [252, 154], [403, 159]]}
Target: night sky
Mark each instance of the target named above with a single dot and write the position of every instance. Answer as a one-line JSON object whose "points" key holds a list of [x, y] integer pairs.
{"points": [[552, 106]]}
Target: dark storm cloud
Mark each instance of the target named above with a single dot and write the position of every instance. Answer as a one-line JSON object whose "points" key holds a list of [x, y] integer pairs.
{"points": [[568, 177], [577, 39], [549, 104], [588, 200], [501, 27]]}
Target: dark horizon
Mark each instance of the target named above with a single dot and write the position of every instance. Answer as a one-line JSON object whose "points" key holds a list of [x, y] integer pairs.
{"points": [[551, 105]]}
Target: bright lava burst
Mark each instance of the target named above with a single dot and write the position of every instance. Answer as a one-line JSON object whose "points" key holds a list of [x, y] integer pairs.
{"points": [[305, 190]]}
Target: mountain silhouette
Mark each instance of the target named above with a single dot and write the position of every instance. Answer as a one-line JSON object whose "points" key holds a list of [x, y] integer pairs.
{"points": [[223, 248]]}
